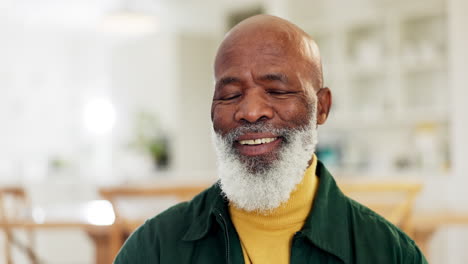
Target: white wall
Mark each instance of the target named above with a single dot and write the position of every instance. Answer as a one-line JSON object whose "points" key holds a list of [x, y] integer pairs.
{"points": [[456, 237], [195, 83]]}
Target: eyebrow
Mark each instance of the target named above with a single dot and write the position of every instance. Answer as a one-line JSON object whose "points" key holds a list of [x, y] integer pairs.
{"points": [[267, 77], [227, 80], [274, 77]]}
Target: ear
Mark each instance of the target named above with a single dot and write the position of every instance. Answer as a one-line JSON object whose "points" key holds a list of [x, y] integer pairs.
{"points": [[324, 101]]}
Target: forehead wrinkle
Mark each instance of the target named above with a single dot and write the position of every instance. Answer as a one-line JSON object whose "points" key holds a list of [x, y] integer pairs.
{"points": [[270, 49], [232, 53]]}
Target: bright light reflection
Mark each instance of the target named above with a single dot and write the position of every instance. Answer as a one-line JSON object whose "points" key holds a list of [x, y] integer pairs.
{"points": [[99, 116], [99, 212], [129, 23]]}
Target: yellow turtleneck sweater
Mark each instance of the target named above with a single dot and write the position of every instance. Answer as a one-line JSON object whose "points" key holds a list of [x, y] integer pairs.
{"points": [[267, 238]]}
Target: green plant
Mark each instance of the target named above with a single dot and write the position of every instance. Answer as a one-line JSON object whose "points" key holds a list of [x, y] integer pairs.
{"points": [[150, 138]]}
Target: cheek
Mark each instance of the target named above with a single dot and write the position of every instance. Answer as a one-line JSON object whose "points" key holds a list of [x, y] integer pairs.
{"points": [[297, 114], [221, 118]]}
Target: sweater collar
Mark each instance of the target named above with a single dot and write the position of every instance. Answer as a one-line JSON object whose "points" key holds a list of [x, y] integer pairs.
{"points": [[326, 226]]}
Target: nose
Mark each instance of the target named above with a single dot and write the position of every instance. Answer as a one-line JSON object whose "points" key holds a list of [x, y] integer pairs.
{"points": [[254, 107]]}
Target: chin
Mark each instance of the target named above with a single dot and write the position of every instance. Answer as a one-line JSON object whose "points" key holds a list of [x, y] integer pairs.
{"points": [[260, 163]]}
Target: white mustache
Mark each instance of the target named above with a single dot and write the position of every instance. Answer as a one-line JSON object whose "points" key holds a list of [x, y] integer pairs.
{"points": [[285, 133]]}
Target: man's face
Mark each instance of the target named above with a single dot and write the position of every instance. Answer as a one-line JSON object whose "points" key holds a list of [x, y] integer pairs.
{"points": [[262, 85], [265, 111]]}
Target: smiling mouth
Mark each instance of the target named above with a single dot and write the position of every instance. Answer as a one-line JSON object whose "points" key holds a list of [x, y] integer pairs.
{"points": [[257, 145], [258, 141]]}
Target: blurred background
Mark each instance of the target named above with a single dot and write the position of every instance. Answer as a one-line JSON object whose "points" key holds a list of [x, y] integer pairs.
{"points": [[96, 95]]}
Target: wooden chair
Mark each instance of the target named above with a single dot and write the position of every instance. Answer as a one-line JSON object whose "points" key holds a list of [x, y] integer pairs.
{"points": [[392, 200], [13, 205], [123, 224]]}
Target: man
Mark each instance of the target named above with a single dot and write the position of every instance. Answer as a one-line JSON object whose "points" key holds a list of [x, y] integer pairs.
{"points": [[274, 203]]}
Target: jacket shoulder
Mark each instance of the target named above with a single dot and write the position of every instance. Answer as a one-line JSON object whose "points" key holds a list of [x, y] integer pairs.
{"points": [[164, 230], [377, 236], [184, 213]]}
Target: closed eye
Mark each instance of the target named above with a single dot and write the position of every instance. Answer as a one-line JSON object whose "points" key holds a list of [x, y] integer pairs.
{"points": [[279, 92], [230, 97]]}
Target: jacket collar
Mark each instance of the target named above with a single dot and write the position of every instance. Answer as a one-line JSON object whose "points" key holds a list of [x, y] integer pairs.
{"points": [[214, 203], [326, 226]]}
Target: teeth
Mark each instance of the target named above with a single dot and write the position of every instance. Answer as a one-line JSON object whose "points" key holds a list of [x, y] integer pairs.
{"points": [[247, 142], [256, 141]]}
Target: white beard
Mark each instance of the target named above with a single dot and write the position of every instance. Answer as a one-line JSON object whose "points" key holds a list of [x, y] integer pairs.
{"points": [[254, 185]]}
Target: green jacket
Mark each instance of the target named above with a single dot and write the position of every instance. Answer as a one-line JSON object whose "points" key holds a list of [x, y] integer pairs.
{"points": [[338, 230]]}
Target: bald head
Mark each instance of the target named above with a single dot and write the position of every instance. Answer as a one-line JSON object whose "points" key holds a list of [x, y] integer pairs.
{"points": [[273, 36]]}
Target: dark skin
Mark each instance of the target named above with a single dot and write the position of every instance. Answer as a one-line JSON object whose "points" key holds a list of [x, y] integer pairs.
{"points": [[267, 70]]}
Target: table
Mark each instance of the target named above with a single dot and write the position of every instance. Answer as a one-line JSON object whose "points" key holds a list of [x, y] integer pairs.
{"points": [[100, 235], [425, 224]]}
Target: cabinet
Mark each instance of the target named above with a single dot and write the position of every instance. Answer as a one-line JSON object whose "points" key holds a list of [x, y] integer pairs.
{"points": [[386, 64]]}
